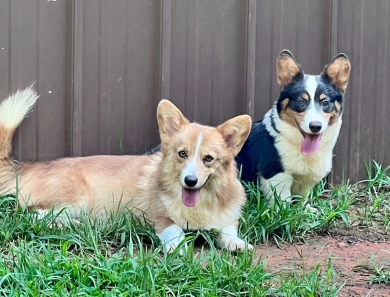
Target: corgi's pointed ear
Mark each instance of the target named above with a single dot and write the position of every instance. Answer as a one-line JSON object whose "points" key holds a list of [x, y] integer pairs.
{"points": [[338, 71], [235, 131], [287, 68], [170, 119]]}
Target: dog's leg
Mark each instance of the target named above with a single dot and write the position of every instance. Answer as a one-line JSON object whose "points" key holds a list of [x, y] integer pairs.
{"points": [[171, 237], [280, 184], [230, 240], [304, 190]]}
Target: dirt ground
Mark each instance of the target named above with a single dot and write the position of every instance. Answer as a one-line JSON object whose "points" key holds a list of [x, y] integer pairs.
{"points": [[350, 253]]}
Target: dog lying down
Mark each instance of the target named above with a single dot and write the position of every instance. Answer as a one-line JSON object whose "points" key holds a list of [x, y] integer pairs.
{"points": [[191, 184]]}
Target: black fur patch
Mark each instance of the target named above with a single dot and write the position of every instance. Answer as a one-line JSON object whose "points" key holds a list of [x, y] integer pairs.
{"points": [[259, 156], [273, 122]]}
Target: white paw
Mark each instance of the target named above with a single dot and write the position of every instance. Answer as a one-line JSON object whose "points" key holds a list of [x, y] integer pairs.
{"points": [[238, 245], [171, 237], [170, 248], [310, 208], [65, 222]]}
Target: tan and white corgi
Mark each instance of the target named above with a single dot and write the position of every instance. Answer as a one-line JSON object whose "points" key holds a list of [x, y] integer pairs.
{"points": [[191, 184]]}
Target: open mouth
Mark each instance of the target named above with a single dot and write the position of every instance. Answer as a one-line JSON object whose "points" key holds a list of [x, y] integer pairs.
{"points": [[191, 196], [310, 143]]}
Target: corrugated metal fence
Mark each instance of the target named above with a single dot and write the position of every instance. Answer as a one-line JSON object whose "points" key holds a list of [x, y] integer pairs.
{"points": [[102, 66]]}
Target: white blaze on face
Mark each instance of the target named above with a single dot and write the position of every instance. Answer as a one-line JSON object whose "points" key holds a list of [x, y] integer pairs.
{"points": [[190, 169], [312, 114]]}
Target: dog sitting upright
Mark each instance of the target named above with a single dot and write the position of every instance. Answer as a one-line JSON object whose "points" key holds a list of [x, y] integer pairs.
{"points": [[191, 184], [290, 151]]}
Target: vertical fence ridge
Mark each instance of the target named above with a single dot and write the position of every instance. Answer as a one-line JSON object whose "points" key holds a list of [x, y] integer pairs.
{"points": [[334, 16], [250, 59], [166, 22], [77, 77], [332, 51]]}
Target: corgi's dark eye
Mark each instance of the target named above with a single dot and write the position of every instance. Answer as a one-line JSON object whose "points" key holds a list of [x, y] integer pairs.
{"points": [[183, 154], [300, 105], [327, 106], [208, 158], [302, 102], [325, 103]]}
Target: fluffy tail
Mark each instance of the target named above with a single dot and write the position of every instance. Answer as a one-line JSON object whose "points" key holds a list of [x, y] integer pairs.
{"points": [[12, 111]]}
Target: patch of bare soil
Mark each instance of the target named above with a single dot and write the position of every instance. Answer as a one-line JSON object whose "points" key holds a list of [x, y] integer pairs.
{"points": [[350, 253]]}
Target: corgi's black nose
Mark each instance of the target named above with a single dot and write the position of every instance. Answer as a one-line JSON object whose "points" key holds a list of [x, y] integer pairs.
{"points": [[315, 126], [191, 180]]}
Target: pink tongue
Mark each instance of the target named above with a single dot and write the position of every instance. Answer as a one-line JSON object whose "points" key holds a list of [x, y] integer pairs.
{"points": [[190, 196], [310, 144]]}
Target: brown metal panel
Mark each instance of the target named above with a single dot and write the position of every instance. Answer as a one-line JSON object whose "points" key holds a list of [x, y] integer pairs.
{"points": [[120, 59], [112, 75], [36, 43], [23, 69], [51, 61], [363, 34], [88, 92], [208, 52], [297, 25], [4, 48]]}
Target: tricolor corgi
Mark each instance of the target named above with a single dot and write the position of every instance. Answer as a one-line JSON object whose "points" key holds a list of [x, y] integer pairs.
{"points": [[291, 149], [191, 184]]}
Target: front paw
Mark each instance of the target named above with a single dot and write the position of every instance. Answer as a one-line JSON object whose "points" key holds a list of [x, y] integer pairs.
{"points": [[172, 237], [64, 221], [170, 248], [238, 245], [309, 208]]}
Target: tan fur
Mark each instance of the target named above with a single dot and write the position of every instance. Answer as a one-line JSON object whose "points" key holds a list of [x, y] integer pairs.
{"points": [[5, 140], [147, 185], [338, 72], [286, 68], [305, 96]]}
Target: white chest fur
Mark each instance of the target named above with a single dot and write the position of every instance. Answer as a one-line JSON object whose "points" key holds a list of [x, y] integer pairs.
{"points": [[305, 170]]}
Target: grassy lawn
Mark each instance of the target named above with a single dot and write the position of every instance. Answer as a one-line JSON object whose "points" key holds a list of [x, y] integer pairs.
{"points": [[118, 257]]}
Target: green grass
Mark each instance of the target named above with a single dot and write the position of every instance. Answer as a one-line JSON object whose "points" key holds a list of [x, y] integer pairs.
{"points": [[373, 205], [119, 257], [290, 221], [313, 283], [365, 203], [381, 273]]}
